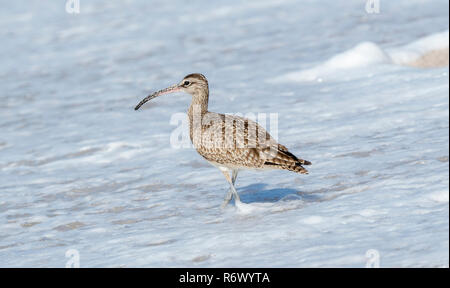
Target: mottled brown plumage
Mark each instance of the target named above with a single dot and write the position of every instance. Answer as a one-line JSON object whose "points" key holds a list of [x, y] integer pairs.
{"points": [[231, 143]]}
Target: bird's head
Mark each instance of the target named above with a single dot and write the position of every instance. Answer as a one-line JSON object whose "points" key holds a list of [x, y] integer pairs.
{"points": [[194, 84]]}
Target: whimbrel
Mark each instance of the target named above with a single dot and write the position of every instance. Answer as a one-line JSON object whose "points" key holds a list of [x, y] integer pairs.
{"points": [[231, 143]]}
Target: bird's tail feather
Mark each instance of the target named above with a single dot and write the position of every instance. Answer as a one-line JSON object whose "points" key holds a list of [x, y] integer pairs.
{"points": [[294, 167]]}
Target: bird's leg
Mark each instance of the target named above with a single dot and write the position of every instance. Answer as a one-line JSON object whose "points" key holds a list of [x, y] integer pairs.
{"points": [[227, 198], [232, 190], [234, 176], [236, 195]]}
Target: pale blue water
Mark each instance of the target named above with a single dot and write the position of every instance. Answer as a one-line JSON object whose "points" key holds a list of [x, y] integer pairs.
{"points": [[80, 169]]}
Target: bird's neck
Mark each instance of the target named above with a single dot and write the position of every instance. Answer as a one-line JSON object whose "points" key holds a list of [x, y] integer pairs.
{"points": [[199, 104], [198, 108]]}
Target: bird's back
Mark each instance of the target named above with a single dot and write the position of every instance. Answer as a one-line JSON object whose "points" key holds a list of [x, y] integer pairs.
{"points": [[240, 143]]}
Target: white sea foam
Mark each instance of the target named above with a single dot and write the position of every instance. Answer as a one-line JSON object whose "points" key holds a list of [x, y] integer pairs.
{"points": [[366, 54], [80, 169], [413, 51]]}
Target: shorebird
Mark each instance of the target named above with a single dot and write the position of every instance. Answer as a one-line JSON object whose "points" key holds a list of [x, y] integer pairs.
{"points": [[231, 143]]}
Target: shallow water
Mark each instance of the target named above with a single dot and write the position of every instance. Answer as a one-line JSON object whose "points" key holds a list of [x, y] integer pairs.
{"points": [[80, 169]]}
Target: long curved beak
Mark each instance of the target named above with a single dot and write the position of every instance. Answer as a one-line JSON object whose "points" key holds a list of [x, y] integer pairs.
{"points": [[171, 89]]}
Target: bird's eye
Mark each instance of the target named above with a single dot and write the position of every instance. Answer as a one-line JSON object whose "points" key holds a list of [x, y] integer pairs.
{"points": [[186, 83]]}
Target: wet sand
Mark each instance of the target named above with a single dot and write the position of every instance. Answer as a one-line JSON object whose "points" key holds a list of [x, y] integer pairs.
{"points": [[432, 59]]}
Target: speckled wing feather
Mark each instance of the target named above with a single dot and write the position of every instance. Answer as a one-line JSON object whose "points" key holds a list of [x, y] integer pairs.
{"points": [[242, 143]]}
